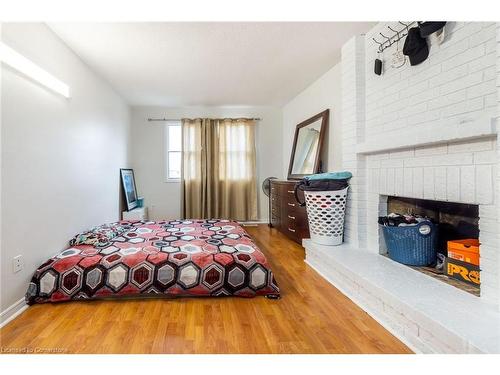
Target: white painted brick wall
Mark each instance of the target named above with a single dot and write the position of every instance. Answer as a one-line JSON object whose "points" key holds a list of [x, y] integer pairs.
{"points": [[452, 172], [456, 83], [492, 289], [455, 90], [446, 172], [353, 118]]}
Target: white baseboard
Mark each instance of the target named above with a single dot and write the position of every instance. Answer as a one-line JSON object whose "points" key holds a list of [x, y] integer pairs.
{"points": [[11, 312], [243, 223]]}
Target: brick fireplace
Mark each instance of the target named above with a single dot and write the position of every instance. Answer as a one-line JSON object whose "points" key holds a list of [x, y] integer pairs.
{"points": [[425, 132], [454, 172]]}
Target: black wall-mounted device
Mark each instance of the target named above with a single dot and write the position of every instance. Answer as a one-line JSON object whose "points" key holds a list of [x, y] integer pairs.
{"points": [[378, 67]]}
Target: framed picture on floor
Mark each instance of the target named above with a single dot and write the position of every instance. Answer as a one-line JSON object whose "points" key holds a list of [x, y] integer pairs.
{"points": [[129, 189]]}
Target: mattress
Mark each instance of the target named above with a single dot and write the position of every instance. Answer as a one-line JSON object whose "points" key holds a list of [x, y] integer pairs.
{"points": [[166, 258]]}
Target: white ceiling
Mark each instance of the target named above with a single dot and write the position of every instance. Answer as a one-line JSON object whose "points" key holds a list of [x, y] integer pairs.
{"points": [[184, 64]]}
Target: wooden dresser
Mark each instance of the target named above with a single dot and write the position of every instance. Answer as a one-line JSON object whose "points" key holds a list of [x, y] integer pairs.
{"points": [[285, 213]]}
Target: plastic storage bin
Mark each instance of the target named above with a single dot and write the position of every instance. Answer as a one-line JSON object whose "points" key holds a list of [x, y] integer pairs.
{"points": [[412, 245], [464, 250], [326, 213]]}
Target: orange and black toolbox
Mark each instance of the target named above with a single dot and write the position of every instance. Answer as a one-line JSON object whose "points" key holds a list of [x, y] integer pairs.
{"points": [[464, 250], [462, 262]]}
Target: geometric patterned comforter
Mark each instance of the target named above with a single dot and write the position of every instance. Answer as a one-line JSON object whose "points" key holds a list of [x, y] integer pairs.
{"points": [[165, 258]]}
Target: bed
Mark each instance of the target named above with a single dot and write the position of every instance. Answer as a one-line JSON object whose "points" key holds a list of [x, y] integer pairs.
{"points": [[166, 258]]}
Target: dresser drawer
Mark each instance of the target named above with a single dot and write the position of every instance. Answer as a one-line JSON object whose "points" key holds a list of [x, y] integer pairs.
{"points": [[293, 218], [292, 232], [275, 201], [275, 189], [284, 188], [289, 196], [289, 190], [287, 205], [297, 228], [291, 224], [297, 218], [293, 208], [276, 209]]}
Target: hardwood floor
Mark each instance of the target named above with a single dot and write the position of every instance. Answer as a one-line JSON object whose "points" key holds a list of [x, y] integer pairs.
{"points": [[311, 317]]}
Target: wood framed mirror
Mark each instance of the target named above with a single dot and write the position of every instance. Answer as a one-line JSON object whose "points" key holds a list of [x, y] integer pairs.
{"points": [[307, 146]]}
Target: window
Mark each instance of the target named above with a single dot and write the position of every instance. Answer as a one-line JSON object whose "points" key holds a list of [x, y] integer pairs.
{"points": [[237, 150], [173, 151]]}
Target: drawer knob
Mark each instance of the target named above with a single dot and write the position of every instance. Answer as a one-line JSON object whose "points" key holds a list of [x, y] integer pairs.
{"points": [[291, 204], [291, 191], [291, 217], [291, 230]]}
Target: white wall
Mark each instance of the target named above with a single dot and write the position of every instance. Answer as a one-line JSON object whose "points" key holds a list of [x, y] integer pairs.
{"points": [[164, 199], [60, 157], [497, 192], [1, 181], [324, 93]]}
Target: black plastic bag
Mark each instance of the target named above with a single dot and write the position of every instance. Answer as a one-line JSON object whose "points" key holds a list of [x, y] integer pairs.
{"points": [[319, 185]]}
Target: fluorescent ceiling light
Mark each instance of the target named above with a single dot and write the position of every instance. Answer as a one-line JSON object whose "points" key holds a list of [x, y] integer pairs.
{"points": [[30, 69]]}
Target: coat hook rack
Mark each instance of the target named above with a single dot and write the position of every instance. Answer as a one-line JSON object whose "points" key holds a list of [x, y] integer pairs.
{"points": [[394, 31], [397, 36], [379, 44], [407, 26], [388, 39]]}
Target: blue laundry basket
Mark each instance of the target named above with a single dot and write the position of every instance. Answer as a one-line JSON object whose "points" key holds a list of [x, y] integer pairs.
{"points": [[412, 245]]}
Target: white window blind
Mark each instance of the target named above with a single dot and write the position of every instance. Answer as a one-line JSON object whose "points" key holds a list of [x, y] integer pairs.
{"points": [[173, 151]]}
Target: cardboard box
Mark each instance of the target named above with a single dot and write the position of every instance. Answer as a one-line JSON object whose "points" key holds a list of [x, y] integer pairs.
{"points": [[463, 271]]}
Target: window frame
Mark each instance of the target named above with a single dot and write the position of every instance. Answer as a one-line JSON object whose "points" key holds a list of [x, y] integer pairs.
{"points": [[167, 151]]}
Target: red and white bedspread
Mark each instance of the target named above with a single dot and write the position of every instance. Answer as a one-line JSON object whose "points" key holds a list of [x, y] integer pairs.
{"points": [[166, 258]]}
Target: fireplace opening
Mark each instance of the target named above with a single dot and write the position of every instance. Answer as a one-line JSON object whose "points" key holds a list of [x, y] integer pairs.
{"points": [[456, 222]]}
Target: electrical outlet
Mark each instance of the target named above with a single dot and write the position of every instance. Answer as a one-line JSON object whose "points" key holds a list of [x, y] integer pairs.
{"points": [[17, 263]]}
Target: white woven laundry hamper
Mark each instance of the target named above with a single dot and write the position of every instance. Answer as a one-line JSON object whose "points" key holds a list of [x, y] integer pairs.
{"points": [[326, 213]]}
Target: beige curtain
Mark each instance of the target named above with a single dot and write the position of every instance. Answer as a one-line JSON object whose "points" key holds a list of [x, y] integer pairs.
{"points": [[218, 169]]}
